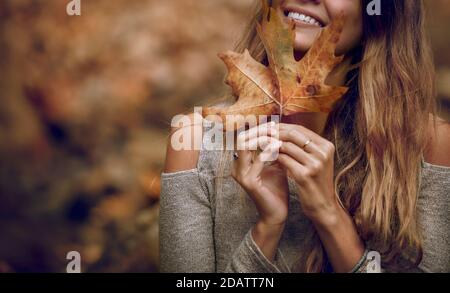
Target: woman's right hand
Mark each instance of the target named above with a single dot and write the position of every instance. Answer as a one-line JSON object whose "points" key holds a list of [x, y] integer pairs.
{"points": [[266, 185]]}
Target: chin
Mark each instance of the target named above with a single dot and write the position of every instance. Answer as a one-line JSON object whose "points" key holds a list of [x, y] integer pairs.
{"points": [[304, 41], [302, 47]]}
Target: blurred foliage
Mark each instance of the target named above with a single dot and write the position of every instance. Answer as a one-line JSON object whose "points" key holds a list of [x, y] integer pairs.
{"points": [[86, 103]]}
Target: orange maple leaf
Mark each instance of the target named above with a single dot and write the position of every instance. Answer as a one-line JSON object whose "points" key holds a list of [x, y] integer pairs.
{"points": [[286, 86]]}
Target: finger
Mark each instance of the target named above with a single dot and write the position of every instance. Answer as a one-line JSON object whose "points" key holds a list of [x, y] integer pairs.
{"points": [[271, 152], [258, 142], [257, 167], [306, 131], [292, 166], [296, 152], [245, 155], [258, 163], [300, 139], [261, 130], [242, 164], [244, 160]]}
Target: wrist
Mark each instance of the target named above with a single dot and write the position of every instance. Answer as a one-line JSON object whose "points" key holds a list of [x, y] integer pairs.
{"points": [[265, 231], [267, 237], [341, 240], [332, 219]]}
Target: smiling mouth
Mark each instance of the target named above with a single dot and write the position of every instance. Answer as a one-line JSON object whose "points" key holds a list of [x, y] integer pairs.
{"points": [[303, 18]]}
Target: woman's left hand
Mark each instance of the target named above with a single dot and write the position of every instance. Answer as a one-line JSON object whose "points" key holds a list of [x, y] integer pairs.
{"points": [[309, 160]]}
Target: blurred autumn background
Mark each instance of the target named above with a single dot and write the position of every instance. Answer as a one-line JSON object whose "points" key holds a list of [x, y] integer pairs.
{"points": [[86, 104]]}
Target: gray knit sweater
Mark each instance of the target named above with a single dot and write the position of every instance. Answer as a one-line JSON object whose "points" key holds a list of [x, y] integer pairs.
{"points": [[207, 230]]}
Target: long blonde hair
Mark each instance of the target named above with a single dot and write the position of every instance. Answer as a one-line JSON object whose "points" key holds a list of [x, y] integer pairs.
{"points": [[379, 130]]}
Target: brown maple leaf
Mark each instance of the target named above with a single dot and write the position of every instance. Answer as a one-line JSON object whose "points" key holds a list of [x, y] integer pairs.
{"points": [[286, 86]]}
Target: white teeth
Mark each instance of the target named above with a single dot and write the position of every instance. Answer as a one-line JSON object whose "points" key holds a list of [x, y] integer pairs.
{"points": [[304, 18]]}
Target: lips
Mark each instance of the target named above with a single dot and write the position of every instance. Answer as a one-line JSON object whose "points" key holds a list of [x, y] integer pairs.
{"points": [[303, 16]]}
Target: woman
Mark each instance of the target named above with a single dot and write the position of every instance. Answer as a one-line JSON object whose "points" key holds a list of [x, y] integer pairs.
{"points": [[372, 175]]}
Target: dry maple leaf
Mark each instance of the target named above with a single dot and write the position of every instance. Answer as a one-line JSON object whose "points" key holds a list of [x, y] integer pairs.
{"points": [[287, 86]]}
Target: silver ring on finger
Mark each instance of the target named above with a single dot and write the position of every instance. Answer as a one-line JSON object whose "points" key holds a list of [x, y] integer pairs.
{"points": [[235, 156]]}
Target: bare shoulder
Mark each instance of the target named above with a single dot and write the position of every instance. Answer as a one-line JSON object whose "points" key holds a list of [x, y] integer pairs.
{"points": [[183, 146], [438, 149]]}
